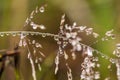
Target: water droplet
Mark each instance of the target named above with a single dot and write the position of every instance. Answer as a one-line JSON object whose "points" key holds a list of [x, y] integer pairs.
{"points": [[107, 78], [118, 46], [73, 42], [38, 45], [42, 27], [32, 23], [78, 47], [109, 66], [24, 43], [32, 14], [98, 65], [13, 34], [22, 36], [89, 31], [89, 51], [34, 51], [116, 52], [112, 60], [33, 42], [58, 42], [96, 59], [57, 63], [74, 24], [97, 75], [27, 21], [56, 38], [20, 43], [62, 21], [95, 35], [73, 56], [28, 56], [65, 43], [68, 35], [32, 34], [34, 27], [42, 9], [103, 56], [36, 10], [113, 37], [36, 60], [82, 28], [103, 39], [74, 34], [39, 67], [7, 34], [65, 56], [109, 33], [1, 35], [43, 35], [40, 59]]}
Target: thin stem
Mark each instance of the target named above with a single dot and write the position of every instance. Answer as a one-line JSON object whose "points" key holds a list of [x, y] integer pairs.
{"points": [[51, 35], [28, 32], [32, 64]]}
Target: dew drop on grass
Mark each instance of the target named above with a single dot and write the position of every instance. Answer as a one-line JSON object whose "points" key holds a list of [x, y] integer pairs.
{"points": [[42, 27], [97, 75], [95, 35], [79, 48], [109, 67], [2, 35], [32, 14], [56, 38], [89, 51], [109, 33], [65, 56], [82, 28], [34, 51], [74, 24], [107, 78], [32, 34], [39, 67], [118, 46], [34, 27], [112, 60], [40, 59], [73, 56], [113, 37], [36, 10], [43, 35], [36, 60], [20, 43], [7, 34], [24, 43], [98, 65], [89, 31], [38, 45], [57, 63], [13, 34], [33, 42], [26, 22], [42, 9]]}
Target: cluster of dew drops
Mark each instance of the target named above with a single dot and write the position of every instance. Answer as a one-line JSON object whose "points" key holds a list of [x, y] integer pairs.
{"points": [[68, 35]]}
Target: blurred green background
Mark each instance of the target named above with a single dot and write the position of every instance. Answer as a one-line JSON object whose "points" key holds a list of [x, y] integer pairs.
{"points": [[102, 15]]}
